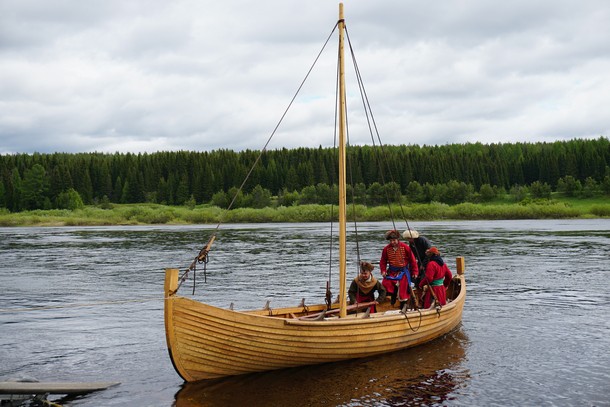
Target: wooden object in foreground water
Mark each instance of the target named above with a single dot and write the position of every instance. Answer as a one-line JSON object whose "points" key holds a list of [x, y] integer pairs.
{"points": [[53, 387]]}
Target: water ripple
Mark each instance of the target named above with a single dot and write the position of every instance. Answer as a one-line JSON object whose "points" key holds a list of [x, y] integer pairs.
{"points": [[535, 329]]}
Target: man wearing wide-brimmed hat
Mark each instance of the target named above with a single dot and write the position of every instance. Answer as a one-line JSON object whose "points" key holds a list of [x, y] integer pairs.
{"points": [[418, 244], [398, 267]]}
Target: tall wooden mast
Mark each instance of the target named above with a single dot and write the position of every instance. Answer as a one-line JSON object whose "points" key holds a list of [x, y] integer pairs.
{"points": [[342, 182]]}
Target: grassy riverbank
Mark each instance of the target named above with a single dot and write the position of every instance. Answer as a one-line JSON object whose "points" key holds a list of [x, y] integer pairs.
{"points": [[141, 214]]}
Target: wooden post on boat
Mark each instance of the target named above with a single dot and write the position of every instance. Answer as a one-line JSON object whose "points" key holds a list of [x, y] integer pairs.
{"points": [[342, 177], [460, 267]]}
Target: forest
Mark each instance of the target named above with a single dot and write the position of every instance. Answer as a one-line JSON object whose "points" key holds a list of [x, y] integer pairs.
{"points": [[450, 174]]}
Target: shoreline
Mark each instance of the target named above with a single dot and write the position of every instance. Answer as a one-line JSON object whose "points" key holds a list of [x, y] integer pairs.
{"points": [[156, 214]]}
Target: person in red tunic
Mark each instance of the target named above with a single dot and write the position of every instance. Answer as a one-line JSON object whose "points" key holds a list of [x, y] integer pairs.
{"points": [[437, 277], [364, 286], [398, 267]]}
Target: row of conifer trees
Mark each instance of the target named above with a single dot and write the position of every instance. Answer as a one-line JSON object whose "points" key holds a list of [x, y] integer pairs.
{"points": [[449, 173]]}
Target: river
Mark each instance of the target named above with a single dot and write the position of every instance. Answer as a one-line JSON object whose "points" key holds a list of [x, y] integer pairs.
{"points": [[85, 304]]}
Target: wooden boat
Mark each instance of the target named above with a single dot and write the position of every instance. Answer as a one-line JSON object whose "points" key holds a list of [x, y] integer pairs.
{"points": [[207, 342]]}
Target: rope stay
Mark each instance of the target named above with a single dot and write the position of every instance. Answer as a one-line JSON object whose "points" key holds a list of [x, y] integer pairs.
{"points": [[374, 131], [202, 257], [382, 157]]}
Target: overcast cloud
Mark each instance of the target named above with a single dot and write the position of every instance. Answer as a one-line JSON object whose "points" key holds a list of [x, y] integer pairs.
{"points": [[146, 76]]}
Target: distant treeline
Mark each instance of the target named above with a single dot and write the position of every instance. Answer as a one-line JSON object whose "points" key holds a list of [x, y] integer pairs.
{"points": [[421, 173]]}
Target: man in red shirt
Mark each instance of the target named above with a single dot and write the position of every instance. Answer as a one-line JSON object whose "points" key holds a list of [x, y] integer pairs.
{"points": [[398, 267]]}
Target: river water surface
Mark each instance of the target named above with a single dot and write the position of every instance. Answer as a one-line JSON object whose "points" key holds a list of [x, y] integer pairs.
{"points": [[85, 304]]}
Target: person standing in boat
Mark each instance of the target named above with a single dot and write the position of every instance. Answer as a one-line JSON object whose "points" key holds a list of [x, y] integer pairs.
{"points": [[418, 244], [436, 279], [398, 267], [364, 286]]}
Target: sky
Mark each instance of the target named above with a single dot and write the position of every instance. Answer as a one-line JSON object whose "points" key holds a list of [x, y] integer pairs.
{"points": [[198, 75]]}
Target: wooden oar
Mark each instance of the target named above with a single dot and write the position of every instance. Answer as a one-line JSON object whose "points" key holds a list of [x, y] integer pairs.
{"points": [[415, 300], [336, 310], [429, 287]]}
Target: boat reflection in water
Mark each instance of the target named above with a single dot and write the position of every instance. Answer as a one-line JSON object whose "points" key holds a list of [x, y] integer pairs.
{"points": [[427, 374]]}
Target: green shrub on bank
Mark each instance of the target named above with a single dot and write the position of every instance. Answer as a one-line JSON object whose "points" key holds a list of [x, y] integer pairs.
{"points": [[70, 199], [600, 210], [135, 214], [431, 211], [305, 213], [248, 215], [545, 210], [203, 215], [377, 213], [554, 211], [6, 219], [354, 212], [156, 216], [159, 214], [469, 211]]}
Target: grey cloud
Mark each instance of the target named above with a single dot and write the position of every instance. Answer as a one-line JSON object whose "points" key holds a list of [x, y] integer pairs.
{"points": [[155, 75]]}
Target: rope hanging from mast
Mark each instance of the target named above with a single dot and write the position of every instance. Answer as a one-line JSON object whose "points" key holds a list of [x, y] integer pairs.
{"points": [[374, 132], [202, 257]]}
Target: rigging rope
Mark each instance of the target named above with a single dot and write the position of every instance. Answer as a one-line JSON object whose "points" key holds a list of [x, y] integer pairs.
{"points": [[373, 125], [329, 295], [204, 252], [280, 121], [351, 179], [202, 257]]}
